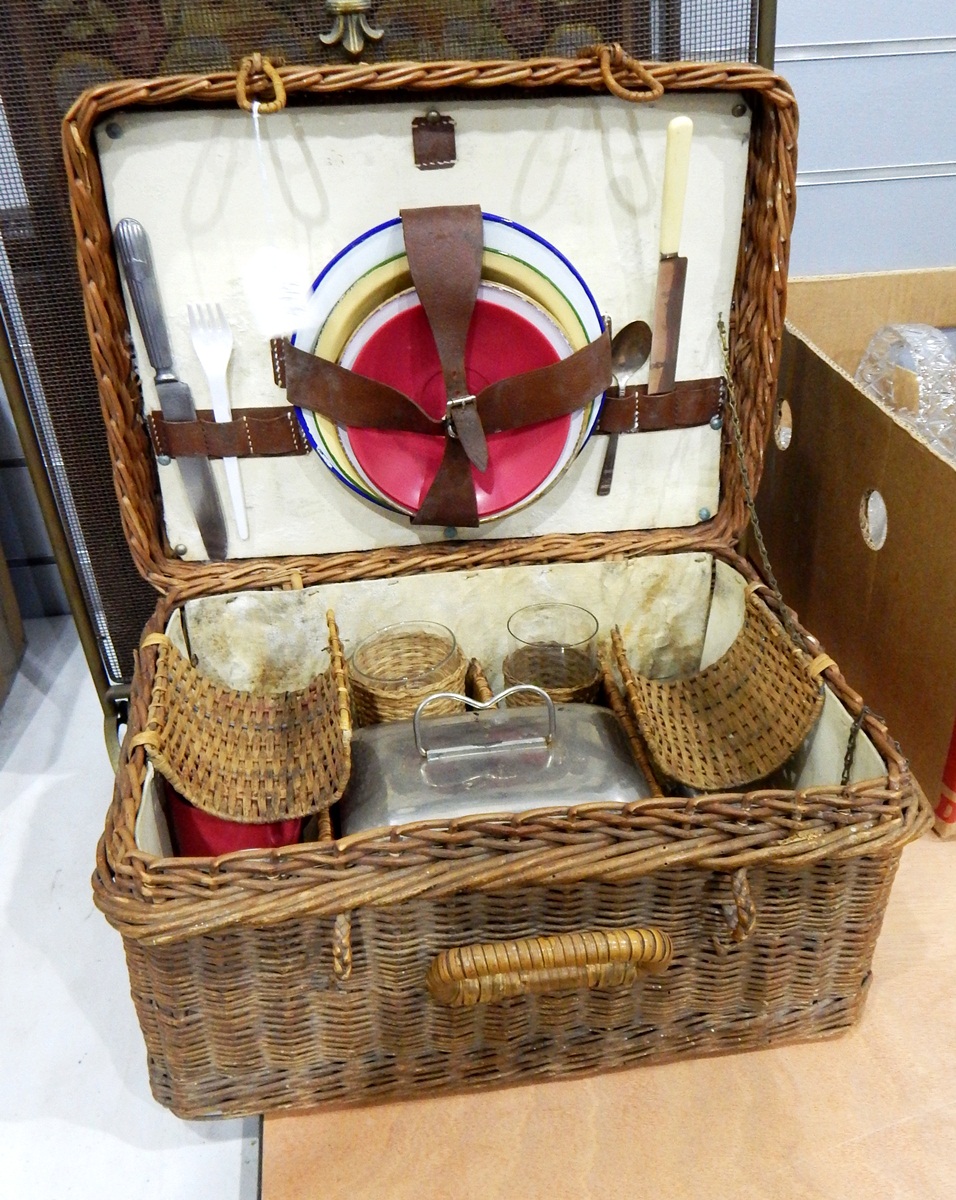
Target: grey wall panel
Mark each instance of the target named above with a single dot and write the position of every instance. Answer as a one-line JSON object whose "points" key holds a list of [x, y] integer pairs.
{"points": [[848, 228], [22, 531], [864, 112], [9, 442], [39, 591], [825, 21], [876, 86], [23, 535]]}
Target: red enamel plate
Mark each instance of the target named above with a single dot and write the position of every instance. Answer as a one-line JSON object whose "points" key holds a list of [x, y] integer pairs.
{"points": [[509, 334]]}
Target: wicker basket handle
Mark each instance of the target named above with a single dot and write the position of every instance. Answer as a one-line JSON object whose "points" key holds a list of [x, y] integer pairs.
{"points": [[605, 958]]}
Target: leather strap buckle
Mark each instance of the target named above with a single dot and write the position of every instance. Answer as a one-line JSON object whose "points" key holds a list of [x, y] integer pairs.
{"points": [[463, 422], [455, 406]]}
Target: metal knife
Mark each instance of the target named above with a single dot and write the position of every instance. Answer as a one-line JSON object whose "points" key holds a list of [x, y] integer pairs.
{"points": [[672, 273], [175, 398]]}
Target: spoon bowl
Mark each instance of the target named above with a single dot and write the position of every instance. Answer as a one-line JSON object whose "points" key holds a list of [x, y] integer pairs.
{"points": [[630, 348]]}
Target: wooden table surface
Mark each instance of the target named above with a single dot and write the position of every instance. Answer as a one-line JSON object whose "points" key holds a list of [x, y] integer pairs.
{"points": [[870, 1114]]}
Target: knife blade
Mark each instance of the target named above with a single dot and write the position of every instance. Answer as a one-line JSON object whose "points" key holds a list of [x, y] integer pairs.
{"points": [[672, 272], [175, 398]]}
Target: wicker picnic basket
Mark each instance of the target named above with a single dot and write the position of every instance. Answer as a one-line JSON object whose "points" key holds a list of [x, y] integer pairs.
{"points": [[300, 976]]}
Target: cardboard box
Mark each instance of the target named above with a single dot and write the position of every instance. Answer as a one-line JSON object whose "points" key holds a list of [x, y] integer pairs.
{"points": [[886, 615]]}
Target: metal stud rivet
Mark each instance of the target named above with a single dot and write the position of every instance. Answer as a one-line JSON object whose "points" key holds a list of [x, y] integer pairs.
{"points": [[704, 514], [163, 459], [717, 422], [739, 109], [450, 532], [114, 130], [179, 551]]}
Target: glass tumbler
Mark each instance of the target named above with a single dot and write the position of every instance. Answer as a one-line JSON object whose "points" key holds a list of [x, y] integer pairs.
{"points": [[395, 668], [553, 646]]}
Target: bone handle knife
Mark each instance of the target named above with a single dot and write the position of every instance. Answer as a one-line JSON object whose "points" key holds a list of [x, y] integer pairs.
{"points": [[672, 271]]}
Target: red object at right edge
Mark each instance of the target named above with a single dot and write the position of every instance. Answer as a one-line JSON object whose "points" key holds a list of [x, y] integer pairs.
{"points": [[946, 808]]}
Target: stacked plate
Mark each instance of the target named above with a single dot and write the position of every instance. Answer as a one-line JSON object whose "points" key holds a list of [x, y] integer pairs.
{"points": [[533, 309]]}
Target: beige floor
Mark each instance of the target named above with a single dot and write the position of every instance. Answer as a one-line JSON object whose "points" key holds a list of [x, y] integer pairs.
{"points": [[871, 1114], [76, 1116]]}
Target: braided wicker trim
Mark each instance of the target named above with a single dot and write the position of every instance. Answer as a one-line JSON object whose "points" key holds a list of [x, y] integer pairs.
{"points": [[158, 901], [164, 902], [756, 322]]}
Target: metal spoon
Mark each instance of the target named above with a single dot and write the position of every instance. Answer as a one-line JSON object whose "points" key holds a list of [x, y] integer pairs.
{"points": [[630, 348]]}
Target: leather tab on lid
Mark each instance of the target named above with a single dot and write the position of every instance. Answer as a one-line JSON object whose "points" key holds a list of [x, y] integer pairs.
{"points": [[433, 141]]}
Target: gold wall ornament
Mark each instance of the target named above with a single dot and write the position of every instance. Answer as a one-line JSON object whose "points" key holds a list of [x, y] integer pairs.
{"points": [[351, 27]]}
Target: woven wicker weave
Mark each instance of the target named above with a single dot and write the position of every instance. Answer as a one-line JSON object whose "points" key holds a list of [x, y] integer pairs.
{"points": [[772, 899], [298, 976], [246, 757], [738, 720]]}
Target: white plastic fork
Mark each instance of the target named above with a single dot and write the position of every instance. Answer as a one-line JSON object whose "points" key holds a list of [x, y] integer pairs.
{"points": [[212, 341]]}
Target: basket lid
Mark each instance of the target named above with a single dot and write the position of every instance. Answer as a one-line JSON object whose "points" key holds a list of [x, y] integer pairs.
{"points": [[241, 211]]}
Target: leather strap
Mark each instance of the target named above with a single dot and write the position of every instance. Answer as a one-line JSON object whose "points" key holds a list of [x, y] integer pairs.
{"points": [[252, 433], [451, 499], [444, 247], [692, 402], [526, 399], [346, 397], [549, 392]]}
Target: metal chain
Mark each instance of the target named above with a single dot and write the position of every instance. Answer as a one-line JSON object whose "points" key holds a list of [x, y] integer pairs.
{"points": [[851, 746], [748, 490], [855, 728]]}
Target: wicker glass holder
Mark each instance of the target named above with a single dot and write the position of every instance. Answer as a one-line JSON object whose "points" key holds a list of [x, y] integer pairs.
{"points": [[738, 720], [541, 667], [243, 756], [393, 670]]}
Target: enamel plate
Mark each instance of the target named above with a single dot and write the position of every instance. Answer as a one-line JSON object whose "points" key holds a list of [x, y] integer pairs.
{"points": [[508, 335], [545, 303]]}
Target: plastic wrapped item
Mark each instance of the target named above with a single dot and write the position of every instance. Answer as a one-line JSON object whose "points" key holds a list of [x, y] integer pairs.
{"points": [[912, 369]]}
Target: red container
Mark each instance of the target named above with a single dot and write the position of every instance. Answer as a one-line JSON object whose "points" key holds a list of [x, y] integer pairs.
{"points": [[946, 807], [199, 834]]}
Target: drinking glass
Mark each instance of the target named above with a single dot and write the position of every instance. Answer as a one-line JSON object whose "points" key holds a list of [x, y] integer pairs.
{"points": [[553, 646]]}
